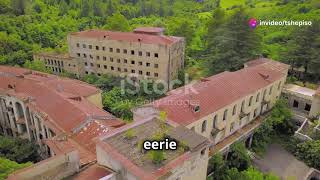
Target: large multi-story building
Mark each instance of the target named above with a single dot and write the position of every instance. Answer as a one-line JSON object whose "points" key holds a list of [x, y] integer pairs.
{"points": [[225, 107], [143, 53], [56, 113], [204, 118]]}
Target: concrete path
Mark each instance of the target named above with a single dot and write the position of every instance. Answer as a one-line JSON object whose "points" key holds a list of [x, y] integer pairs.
{"points": [[280, 162]]}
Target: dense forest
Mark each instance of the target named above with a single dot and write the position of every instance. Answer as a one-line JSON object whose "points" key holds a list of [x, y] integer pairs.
{"points": [[217, 33]]}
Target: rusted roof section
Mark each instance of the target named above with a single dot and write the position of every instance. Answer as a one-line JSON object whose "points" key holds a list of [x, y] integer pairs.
{"points": [[218, 91], [127, 36]]}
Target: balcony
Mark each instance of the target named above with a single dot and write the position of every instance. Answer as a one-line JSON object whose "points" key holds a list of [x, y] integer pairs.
{"points": [[243, 115]]}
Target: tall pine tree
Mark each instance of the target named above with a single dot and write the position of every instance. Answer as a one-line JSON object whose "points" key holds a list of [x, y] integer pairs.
{"points": [[231, 41]]}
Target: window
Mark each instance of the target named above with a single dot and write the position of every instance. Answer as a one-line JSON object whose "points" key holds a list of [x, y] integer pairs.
{"points": [[132, 62], [91, 64], [119, 69], [112, 68], [234, 110], [255, 113], [270, 92], [140, 53], [232, 127], [125, 51], [99, 74], [118, 60], [264, 93], [203, 152], [133, 71], [91, 57], [87, 72], [111, 59], [125, 61], [86, 64], [110, 49], [307, 107], [204, 126], [140, 72], [103, 48], [279, 85], [84, 55], [78, 54], [84, 46], [140, 63], [156, 74], [215, 121], [250, 100], [78, 45], [105, 66], [90, 46], [148, 64], [97, 47], [225, 114], [148, 73], [156, 55], [132, 52], [104, 58], [125, 70], [258, 97], [148, 54], [98, 58], [98, 65], [295, 104], [156, 65], [118, 50]]}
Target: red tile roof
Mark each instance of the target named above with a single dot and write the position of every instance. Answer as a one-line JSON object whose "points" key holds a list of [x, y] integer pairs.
{"points": [[63, 105], [128, 36], [218, 91]]}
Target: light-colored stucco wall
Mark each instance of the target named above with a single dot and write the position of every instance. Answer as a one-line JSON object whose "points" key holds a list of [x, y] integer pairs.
{"points": [[225, 125]]}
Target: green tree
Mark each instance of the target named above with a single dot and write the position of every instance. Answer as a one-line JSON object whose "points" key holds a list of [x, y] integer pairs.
{"points": [[309, 152], [304, 48], [85, 8], [36, 65], [19, 150], [18, 6], [217, 166], [231, 42], [117, 22], [7, 167], [238, 157]]}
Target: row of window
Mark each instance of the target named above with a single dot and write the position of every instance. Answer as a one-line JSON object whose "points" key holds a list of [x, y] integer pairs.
{"points": [[55, 69], [125, 61], [307, 106], [125, 70], [53, 62], [234, 110], [118, 50]]}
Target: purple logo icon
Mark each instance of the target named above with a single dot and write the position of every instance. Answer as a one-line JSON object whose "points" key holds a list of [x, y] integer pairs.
{"points": [[253, 23]]}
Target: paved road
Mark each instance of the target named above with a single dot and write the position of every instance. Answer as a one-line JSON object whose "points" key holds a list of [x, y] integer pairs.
{"points": [[280, 162]]}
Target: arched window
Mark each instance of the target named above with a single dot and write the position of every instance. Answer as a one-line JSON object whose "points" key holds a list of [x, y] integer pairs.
{"points": [[270, 92], [242, 105], [215, 119], [279, 85], [258, 97], [250, 101], [234, 110], [204, 126], [225, 114]]}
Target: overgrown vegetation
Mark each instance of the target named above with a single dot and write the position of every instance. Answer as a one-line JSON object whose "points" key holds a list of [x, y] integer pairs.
{"points": [[236, 166], [7, 167], [278, 123], [18, 150]]}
